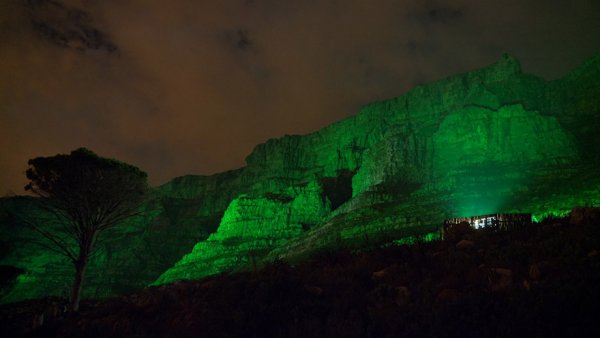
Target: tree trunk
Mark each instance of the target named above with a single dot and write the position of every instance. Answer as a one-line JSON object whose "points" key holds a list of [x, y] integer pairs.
{"points": [[80, 266]]}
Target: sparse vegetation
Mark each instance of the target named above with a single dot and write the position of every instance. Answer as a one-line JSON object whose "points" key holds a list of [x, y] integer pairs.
{"points": [[538, 281]]}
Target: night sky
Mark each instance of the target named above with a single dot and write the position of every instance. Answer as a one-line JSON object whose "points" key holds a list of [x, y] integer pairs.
{"points": [[191, 86]]}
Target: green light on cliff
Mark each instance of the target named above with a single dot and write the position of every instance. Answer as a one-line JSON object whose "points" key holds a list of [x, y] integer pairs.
{"points": [[250, 228], [410, 240], [473, 144], [485, 157], [493, 140], [551, 213]]}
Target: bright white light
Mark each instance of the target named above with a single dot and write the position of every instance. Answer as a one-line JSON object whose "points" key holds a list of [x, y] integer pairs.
{"points": [[483, 222]]}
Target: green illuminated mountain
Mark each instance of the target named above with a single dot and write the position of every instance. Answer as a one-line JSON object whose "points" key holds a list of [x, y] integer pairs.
{"points": [[491, 140]]}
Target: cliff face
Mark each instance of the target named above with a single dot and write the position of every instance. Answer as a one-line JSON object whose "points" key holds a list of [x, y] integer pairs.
{"points": [[250, 228], [491, 140]]}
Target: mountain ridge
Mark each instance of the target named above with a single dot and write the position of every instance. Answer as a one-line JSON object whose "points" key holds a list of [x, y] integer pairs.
{"points": [[490, 140]]}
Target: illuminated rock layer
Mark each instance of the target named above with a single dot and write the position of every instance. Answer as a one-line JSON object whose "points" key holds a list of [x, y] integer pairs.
{"points": [[491, 140]]}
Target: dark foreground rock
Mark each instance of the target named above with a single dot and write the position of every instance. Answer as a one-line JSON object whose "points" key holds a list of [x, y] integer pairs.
{"points": [[539, 281]]}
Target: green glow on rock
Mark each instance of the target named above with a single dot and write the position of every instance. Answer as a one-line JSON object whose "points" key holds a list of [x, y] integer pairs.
{"points": [[484, 156], [493, 140], [250, 228], [477, 143], [410, 240], [550, 213]]}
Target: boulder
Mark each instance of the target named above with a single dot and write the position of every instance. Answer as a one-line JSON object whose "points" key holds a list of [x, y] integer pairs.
{"points": [[465, 244], [585, 215], [402, 295], [446, 296], [500, 279]]}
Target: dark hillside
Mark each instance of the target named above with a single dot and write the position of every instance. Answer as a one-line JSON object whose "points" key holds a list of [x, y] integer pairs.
{"points": [[538, 281]]}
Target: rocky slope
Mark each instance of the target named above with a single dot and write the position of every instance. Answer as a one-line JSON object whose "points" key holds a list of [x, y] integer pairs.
{"points": [[491, 140], [536, 281]]}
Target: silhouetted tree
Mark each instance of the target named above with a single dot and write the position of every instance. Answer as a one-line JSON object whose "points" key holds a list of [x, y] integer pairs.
{"points": [[86, 195]]}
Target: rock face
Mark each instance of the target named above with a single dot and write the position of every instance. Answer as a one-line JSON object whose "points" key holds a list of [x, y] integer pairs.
{"points": [[494, 140], [251, 227]]}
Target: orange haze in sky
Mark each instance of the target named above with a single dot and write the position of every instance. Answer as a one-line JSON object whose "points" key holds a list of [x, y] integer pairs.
{"points": [[190, 87]]}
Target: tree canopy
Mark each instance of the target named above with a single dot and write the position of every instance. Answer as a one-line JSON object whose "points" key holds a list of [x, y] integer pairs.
{"points": [[86, 194]]}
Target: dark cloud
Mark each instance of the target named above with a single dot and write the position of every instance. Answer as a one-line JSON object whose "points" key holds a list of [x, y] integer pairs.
{"points": [[239, 39], [196, 84], [445, 14], [66, 26]]}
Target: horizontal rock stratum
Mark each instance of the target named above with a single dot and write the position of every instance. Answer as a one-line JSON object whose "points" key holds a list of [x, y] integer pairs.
{"points": [[493, 140]]}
